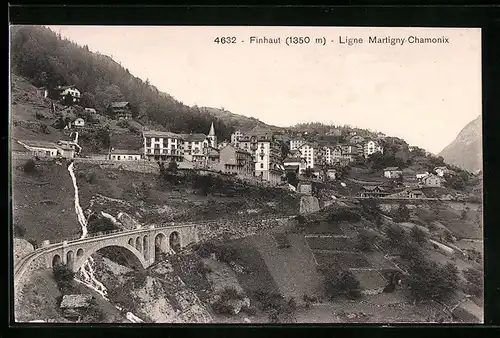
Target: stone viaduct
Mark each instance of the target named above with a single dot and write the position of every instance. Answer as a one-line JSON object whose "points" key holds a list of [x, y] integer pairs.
{"points": [[141, 246]]}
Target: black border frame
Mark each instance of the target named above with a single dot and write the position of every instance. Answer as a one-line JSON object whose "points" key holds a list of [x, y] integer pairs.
{"points": [[485, 17]]}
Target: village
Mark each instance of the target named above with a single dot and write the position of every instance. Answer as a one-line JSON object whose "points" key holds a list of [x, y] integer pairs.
{"points": [[255, 154]]}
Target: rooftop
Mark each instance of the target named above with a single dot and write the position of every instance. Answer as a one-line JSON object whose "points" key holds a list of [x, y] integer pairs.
{"points": [[391, 168], [122, 104], [195, 137], [39, 144], [125, 152], [162, 134]]}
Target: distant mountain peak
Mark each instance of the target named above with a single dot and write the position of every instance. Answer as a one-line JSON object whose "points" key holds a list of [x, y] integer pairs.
{"points": [[466, 150]]}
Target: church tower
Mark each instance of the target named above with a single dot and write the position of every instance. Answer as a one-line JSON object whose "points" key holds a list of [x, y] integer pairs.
{"points": [[212, 137]]}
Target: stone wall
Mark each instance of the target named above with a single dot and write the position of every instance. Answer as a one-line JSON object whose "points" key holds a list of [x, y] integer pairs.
{"points": [[136, 166], [236, 229]]}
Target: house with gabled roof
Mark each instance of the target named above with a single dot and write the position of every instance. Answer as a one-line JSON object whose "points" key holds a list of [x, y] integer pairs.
{"points": [[373, 191], [120, 110], [393, 172]]}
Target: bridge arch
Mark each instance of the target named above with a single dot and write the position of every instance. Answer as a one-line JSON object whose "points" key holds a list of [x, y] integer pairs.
{"points": [[70, 259], [138, 244], [160, 245], [56, 260], [145, 247], [79, 253], [131, 242], [174, 241], [137, 257]]}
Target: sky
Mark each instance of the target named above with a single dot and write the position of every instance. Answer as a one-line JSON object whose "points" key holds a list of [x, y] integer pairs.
{"points": [[423, 93]]}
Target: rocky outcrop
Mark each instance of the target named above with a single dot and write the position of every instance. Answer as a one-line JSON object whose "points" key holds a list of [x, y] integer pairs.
{"points": [[308, 204], [127, 221], [21, 248]]}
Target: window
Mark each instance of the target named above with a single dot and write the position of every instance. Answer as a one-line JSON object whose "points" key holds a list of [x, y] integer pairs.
{"points": [[261, 165], [261, 157], [118, 157], [130, 157]]}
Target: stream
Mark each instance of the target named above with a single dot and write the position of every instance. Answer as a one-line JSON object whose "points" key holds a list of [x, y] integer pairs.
{"points": [[86, 274]]}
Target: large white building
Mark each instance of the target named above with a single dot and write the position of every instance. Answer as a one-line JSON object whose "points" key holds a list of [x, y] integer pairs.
{"points": [[296, 143], [235, 138], [266, 151], [372, 147], [194, 147], [311, 152], [163, 146]]}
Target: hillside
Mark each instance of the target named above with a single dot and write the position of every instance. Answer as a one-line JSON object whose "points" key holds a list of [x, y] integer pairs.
{"points": [[238, 121], [44, 58], [466, 150]]}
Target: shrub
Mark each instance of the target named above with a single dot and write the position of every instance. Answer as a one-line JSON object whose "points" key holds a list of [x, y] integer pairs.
{"points": [[226, 254], [123, 124], [224, 304], [418, 235], [100, 224], [202, 268], [63, 276], [396, 236], [371, 210], [343, 283], [19, 231], [205, 249], [474, 284], [448, 236], [402, 214], [249, 310], [91, 177], [365, 241], [29, 166], [430, 281], [343, 215], [300, 219]]}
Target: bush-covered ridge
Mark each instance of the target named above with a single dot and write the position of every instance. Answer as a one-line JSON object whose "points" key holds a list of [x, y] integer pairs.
{"points": [[46, 59]]}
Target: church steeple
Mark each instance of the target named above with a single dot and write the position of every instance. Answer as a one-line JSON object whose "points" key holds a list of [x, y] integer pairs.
{"points": [[212, 137], [212, 130]]}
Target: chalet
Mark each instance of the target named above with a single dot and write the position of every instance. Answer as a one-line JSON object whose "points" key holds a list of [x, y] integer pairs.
{"points": [[124, 155], [393, 172], [373, 191], [120, 110], [76, 123], [75, 306], [415, 194], [431, 180], [72, 91], [212, 155]]}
